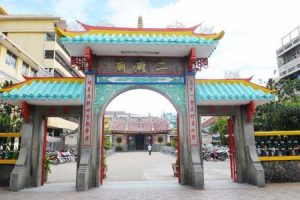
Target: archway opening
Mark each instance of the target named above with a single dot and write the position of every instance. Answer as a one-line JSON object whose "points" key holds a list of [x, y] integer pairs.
{"points": [[62, 145], [218, 150], [140, 138]]}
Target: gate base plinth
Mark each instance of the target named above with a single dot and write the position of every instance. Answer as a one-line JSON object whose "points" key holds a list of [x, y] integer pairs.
{"points": [[82, 175], [198, 179]]}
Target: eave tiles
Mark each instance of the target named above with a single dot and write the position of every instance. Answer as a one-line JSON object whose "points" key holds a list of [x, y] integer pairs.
{"points": [[143, 36], [230, 91], [59, 90]]}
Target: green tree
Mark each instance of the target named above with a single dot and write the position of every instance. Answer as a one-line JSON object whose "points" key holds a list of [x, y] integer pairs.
{"points": [[10, 116], [283, 114], [221, 127]]}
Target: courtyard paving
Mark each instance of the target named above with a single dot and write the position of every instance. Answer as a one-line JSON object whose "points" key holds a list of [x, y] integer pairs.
{"points": [[139, 176]]}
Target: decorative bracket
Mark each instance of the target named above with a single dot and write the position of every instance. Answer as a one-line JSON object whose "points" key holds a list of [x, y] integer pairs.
{"points": [[196, 63], [88, 58], [250, 111], [25, 111], [85, 62], [192, 59], [201, 63]]}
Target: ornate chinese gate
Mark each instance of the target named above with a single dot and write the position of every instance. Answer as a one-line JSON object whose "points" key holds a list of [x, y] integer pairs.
{"points": [[116, 60], [167, 76]]}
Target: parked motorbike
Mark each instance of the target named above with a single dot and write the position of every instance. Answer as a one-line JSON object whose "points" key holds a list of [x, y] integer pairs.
{"points": [[216, 155]]}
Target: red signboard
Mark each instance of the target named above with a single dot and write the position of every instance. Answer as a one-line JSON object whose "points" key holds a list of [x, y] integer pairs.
{"points": [[83, 63], [192, 111], [87, 126], [79, 62]]}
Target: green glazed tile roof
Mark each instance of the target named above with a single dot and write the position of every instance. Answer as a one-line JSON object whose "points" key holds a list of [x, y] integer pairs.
{"points": [[220, 92], [42, 91], [70, 91], [139, 39], [143, 36]]}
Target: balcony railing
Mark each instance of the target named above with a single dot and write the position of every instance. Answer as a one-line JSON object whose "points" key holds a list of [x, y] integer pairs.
{"points": [[278, 145], [9, 148]]}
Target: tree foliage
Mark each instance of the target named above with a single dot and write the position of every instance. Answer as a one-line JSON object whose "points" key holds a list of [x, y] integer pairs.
{"points": [[221, 127], [10, 116], [284, 113]]}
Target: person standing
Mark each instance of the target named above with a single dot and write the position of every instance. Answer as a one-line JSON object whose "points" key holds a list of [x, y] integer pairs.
{"points": [[149, 149]]}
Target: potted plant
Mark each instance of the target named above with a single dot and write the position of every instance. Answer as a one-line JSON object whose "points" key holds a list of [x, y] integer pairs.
{"points": [[107, 146], [47, 167], [104, 166], [175, 168]]}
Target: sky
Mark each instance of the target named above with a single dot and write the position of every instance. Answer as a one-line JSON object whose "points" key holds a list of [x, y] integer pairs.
{"points": [[253, 29]]}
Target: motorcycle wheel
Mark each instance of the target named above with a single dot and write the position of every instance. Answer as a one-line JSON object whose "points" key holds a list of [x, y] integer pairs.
{"points": [[207, 158], [222, 158]]}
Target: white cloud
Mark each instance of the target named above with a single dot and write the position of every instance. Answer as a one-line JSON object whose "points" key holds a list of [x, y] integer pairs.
{"points": [[72, 10], [141, 102], [253, 29]]}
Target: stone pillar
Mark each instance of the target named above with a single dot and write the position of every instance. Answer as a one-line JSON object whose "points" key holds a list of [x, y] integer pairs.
{"points": [[28, 169], [254, 172], [197, 174], [186, 177], [86, 170], [20, 176], [239, 140]]}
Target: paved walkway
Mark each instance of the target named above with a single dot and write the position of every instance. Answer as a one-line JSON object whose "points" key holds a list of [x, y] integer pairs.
{"points": [[152, 180], [139, 166]]}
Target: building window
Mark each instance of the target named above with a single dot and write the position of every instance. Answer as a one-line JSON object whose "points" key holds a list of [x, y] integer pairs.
{"points": [[50, 36], [49, 54], [57, 74], [63, 63], [33, 72], [25, 69], [11, 59]]}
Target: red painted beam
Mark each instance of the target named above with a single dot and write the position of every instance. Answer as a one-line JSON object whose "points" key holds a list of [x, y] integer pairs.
{"points": [[192, 59]]}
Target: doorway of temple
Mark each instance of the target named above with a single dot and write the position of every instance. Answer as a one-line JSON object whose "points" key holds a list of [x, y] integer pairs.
{"points": [[139, 141], [135, 120]]}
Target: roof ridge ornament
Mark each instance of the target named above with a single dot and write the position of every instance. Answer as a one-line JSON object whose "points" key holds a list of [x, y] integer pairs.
{"points": [[88, 27], [140, 22]]}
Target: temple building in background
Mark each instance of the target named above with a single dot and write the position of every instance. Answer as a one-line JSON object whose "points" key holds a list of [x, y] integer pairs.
{"points": [[288, 55], [132, 132]]}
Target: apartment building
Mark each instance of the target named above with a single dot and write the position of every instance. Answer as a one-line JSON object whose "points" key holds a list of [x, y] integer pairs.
{"points": [[14, 62], [288, 55], [35, 34]]}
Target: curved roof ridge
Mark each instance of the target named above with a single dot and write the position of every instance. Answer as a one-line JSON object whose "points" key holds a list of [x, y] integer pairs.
{"points": [[91, 27], [94, 30], [226, 79]]}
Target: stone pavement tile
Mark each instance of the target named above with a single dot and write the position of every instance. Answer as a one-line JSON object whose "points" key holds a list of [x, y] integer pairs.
{"points": [[271, 191]]}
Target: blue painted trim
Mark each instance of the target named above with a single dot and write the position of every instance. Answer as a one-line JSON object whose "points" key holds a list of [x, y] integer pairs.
{"points": [[89, 72], [134, 80], [190, 73], [138, 83], [140, 75]]}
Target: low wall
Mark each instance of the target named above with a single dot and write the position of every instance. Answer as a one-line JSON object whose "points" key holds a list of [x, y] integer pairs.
{"points": [[282, 171], [5, 171]]}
